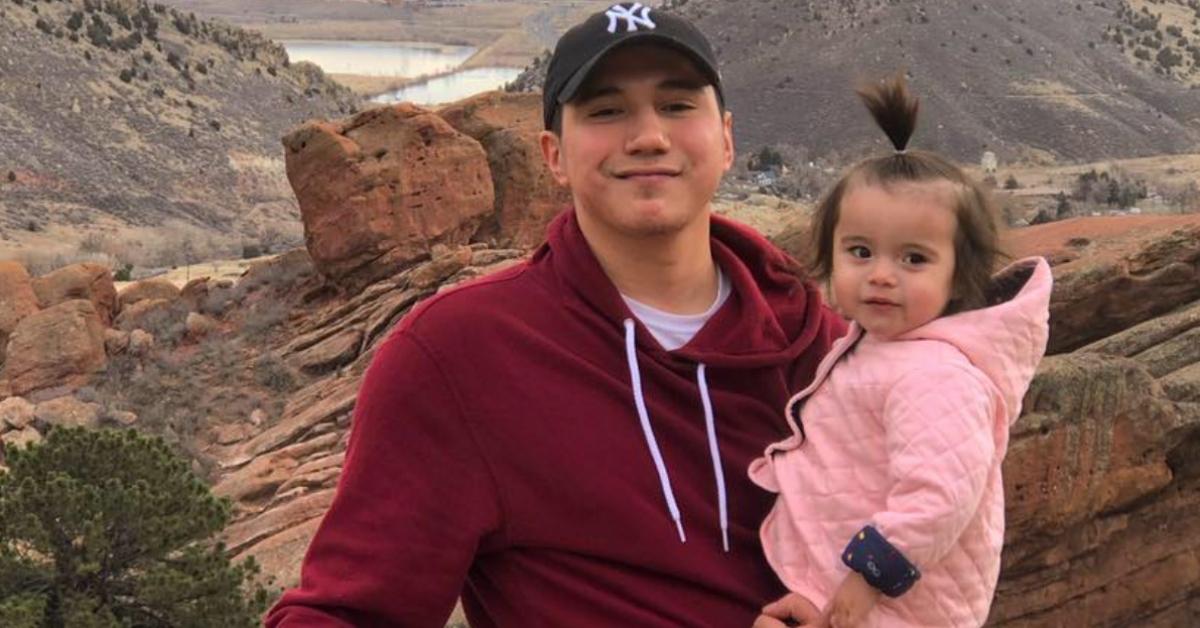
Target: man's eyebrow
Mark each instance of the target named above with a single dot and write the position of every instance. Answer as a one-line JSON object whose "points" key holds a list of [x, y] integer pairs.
{"points": [[593, 92]]}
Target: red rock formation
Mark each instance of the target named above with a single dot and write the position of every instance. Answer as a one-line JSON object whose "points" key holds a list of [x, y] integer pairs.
{"points": [[17, 300], [89, 281], [527, 197], [378, 191], [148, 289], [59, 347], [1114, 272]]}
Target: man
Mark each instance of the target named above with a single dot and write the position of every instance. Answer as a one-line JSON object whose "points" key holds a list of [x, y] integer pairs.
{"points": [[565, 443]]}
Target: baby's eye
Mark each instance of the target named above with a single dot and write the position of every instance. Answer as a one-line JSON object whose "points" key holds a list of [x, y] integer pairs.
{"points": [[859, 251], [603, 112], [914, 259]]}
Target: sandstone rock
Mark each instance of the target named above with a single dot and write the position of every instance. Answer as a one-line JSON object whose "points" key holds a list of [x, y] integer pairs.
{"points": [[231, 433], [89, 281], [17, 300], [68, 412], [140, 342], [121, 418], [378, 191], [1102, 474], [1133, 269], [153, 288], [195, 292], [247, 532], [445, 263], [507, 125], [281, 554], [258, 480], [334, 352], [21, 438], [258, 417], [59, 346], [159, 315], [15, 413], [199, 325], [115, 341]]}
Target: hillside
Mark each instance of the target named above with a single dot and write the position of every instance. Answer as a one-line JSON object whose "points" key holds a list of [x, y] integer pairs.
{"points": [[122, 119], [1033, 82], [1027, 80]]}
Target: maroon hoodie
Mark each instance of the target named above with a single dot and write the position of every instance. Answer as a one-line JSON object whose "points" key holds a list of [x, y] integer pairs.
{"points": [[504, 450]]}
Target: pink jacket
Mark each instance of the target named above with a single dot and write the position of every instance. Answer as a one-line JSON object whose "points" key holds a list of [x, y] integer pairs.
{"points": [[908, 436]]}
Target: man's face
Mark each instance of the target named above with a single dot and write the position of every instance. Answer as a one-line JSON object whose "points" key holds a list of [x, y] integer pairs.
{"points": [[643, 145]]}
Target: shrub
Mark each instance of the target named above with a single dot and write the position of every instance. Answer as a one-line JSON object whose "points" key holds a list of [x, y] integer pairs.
{"points": [[271, 372], [765, 159], [109, 528], [1011, 183]]}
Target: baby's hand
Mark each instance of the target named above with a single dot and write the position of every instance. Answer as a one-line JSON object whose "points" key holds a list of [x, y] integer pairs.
{"points": [[851, 603]]}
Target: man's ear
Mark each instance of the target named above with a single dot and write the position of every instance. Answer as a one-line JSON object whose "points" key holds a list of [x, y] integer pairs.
{"points": [[727, 131], [552, 154]]}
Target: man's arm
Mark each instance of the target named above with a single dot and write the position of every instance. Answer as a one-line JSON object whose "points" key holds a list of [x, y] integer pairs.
{"points": [[414, 503]]}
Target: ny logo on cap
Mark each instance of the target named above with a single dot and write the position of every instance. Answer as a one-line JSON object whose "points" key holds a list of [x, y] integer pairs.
{"points": [[632, 19]]}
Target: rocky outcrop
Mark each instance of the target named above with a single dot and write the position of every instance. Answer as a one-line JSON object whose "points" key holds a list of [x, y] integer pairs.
{"points": [[282, 477], [59, 347], [378, 191], [148, 290], [147, 314], [93, 282], [1114, 272], [1103, 481], [17, 300], [507, 125]]}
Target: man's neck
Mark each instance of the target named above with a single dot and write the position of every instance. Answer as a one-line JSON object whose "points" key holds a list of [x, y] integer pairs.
{"points": [[672, 272]]}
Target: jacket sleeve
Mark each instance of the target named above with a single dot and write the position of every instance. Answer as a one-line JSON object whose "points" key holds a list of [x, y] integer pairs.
{"points": [[414, 502], [941, 449]]}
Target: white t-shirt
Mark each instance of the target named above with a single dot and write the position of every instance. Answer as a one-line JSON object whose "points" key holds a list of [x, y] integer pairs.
{"points": [[675, 330]]}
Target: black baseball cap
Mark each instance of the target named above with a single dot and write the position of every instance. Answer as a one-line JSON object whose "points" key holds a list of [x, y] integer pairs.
{"points": [[580, 49]]}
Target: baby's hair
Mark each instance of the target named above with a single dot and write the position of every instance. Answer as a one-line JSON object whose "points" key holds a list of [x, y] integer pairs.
{"points": [[976, 240]]}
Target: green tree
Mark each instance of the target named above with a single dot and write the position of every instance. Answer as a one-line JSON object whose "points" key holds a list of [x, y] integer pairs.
{"points": [[110, 529]]}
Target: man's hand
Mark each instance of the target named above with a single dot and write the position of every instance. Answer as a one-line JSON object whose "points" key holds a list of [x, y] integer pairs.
{"points": [[792, 609], [851, 603]]}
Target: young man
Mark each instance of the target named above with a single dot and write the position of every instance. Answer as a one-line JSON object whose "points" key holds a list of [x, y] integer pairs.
{"points": [[565, 443]]}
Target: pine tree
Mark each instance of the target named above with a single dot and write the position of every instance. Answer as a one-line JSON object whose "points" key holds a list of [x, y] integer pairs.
{"points": [[110, 529]]}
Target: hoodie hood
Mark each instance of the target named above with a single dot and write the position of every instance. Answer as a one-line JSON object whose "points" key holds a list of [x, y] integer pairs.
{"points": [[767, 326], [1007, 339]]}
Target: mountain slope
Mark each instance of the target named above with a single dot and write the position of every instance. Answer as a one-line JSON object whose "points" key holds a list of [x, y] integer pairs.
{"points": [[1028, 80], [123, 114]]}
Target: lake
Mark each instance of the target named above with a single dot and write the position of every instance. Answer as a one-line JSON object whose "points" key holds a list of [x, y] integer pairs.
{"points": [[378, 58], [404, 59], [451, 87]]}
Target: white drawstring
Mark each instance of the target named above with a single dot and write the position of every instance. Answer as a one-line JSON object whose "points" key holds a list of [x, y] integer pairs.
{"points": [[648, 432], [715, 452]]}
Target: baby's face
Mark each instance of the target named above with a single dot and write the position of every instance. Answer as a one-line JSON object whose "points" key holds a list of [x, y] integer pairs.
{"points": [[893, 255]]}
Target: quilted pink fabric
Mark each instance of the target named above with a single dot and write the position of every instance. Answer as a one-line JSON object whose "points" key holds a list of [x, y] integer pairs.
{"points": [[908, 436]]}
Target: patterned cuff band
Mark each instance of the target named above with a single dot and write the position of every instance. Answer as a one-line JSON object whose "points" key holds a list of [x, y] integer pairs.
{"points": [[882, 565]]}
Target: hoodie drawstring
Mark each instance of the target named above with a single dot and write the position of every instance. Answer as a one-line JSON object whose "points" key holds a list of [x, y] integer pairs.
{"points": [[652, 443], [710, 424]]}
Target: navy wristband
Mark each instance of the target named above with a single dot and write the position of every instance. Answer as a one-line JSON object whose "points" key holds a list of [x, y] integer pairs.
{"points": [[882, 565]]}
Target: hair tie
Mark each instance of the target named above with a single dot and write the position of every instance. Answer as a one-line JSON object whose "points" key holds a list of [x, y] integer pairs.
{"points": [[901, 151]]}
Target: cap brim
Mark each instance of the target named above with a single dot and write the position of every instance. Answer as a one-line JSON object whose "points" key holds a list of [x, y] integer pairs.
{"points": [[577, 80]]}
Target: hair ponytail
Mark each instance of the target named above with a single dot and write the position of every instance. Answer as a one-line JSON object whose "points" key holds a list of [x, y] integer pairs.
{"points": [[976, 242], [894, 109]]}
